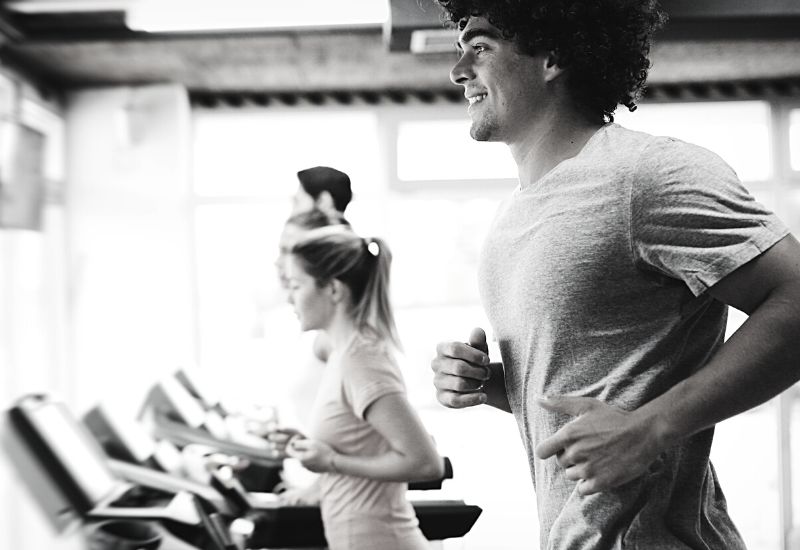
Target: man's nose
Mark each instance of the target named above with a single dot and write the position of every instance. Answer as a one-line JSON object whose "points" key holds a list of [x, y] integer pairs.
{"points": [[462, 70]]}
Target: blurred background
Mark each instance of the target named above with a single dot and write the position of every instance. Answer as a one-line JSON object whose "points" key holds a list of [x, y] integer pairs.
{"points": [[148, 153]]}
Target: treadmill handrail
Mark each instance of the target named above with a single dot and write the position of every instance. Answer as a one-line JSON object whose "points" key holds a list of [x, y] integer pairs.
{"points": [[148, 477], [182, 434]]}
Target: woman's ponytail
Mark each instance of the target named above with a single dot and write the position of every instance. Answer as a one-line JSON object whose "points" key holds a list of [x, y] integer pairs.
{"points": [[374, 308]]}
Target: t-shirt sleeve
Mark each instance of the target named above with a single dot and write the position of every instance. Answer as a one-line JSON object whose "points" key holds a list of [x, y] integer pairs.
{"points": [[368, 376], [691, 217]]}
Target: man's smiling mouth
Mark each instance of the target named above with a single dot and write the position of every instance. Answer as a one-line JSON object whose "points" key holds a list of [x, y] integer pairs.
{"points": [[476, 98]]}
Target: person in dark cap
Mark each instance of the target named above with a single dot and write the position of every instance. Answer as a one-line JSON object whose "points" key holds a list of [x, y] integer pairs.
{"points": [[322, 187]]}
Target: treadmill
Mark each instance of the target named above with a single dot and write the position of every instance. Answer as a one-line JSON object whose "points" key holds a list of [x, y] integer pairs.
{"points": [[274, 525], [71, 481]]}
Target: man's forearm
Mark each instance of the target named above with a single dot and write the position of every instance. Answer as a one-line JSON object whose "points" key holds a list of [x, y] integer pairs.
{"points": [[758, 362]]}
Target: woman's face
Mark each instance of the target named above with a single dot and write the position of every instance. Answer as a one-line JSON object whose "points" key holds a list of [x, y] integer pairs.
{"points": [[313, 305]]}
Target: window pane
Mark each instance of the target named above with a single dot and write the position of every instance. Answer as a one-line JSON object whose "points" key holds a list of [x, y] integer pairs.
{"points": [[750, 479], [736, 131], [237, 290], [794, 138], [445, 238], [433, 150], [257, 154]]}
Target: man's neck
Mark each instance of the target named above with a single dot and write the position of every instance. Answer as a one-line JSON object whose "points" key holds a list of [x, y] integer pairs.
{"points": [[558, 136]]}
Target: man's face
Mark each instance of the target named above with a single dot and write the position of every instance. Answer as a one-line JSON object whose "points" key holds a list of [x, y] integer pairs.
{"points": [[301, 201], [504, 87], [287, 239]]}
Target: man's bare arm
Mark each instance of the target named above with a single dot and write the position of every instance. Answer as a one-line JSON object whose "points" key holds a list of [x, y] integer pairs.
{"points": [[759, 361]]}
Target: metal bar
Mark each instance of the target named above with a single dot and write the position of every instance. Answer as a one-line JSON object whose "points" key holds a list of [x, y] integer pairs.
{"points": [[784, 410]]}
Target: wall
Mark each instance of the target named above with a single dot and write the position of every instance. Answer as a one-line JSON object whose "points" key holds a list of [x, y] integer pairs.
{"points": [[98, 304], [129, 240], [33, 356]]}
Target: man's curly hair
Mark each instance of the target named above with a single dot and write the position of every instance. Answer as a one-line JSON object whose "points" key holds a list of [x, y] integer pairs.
{"points": [[604, 44]]}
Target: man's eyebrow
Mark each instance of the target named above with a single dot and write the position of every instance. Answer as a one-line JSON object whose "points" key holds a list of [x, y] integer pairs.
{"points": [[470, 34]]}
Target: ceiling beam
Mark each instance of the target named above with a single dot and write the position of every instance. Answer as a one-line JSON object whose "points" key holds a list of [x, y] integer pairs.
{"points": [[723, 9], [90, 49], [66, 6], [689, 19], [349, 61]]}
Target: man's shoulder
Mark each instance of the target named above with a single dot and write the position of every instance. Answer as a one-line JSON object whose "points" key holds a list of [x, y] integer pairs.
{"points": [[614, 147], [611, 155], [658, 150]]}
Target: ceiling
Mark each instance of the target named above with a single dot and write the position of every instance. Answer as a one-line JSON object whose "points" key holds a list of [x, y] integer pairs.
{"points": [[65, 48]]}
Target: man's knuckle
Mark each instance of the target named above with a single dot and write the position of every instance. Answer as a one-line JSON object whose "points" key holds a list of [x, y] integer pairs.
{"points": [[569, 431], [444, 398], [444, 349]]}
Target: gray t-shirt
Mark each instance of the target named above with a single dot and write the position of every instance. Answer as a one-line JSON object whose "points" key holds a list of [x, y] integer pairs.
{"points": [[594, 281]]}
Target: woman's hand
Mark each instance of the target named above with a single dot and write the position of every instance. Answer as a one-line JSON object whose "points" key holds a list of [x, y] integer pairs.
{"points": [[304, 496], [313, 454], [280, 438]]}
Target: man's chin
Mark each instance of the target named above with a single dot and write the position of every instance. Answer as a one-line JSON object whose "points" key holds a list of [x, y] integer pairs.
{"points": [[482, 129], [480, 133]]}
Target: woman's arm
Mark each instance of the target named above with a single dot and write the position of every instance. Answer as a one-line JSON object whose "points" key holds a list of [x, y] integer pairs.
{"points": [[412, 456], [302, 496]]}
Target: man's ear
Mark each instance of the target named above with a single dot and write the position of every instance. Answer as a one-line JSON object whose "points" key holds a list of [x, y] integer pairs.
{"points": [[552, 69], [325, 201]]}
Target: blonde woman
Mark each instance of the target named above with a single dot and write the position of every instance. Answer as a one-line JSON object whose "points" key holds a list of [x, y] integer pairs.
{"points": [[365, 439]]}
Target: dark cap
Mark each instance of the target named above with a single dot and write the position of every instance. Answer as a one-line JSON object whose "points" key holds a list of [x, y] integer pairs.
{"points": [[323, 178]]}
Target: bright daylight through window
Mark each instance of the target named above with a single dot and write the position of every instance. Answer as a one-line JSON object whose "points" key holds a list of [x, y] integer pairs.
{"points": [[244, 172]]}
